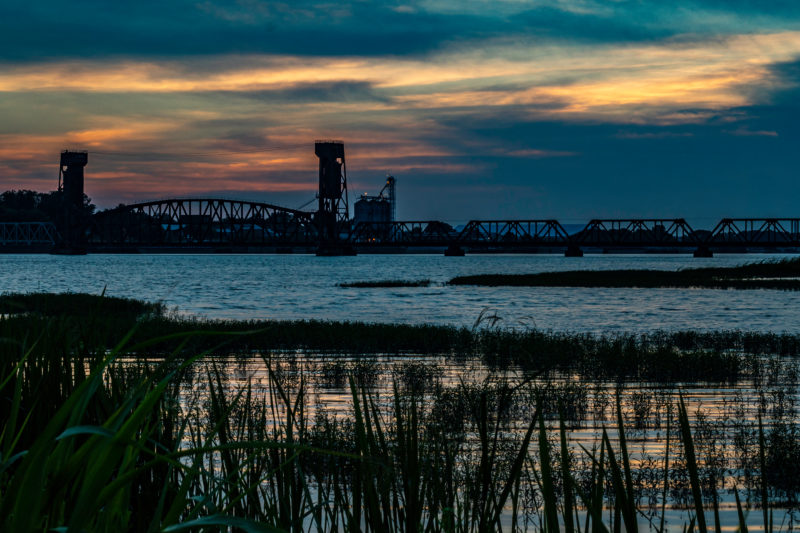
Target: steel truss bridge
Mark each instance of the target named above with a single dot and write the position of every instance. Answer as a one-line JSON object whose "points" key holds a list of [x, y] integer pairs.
{"points": [[207, 222], [214, 224], [28, 235], [729, 235], [228, 225]]}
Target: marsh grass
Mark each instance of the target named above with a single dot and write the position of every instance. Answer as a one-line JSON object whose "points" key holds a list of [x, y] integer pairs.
{"points": [[93, 441], [664, 356], [781, 274], [77, 304], [252, 459]]}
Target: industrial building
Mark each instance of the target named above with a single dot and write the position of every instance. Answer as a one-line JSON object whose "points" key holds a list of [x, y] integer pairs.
{"points": [[380, 208]]}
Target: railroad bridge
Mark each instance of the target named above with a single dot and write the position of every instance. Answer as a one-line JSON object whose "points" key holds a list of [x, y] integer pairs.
{"points": [[202, 223], [216, 224]]}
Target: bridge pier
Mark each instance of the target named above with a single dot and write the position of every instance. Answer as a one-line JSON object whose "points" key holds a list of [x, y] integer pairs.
{"points": [[454, 251], [703, 251], [72, 220], [573, 251]]}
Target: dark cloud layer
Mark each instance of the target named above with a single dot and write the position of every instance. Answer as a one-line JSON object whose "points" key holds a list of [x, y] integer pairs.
{"points": [[90, 29], [49, 30]]}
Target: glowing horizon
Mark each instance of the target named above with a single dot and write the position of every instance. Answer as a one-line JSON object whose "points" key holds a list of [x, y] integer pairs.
{"points": [[486, 101]]}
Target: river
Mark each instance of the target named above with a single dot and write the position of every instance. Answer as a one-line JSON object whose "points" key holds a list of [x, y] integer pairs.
{"points": [[306, 287]]}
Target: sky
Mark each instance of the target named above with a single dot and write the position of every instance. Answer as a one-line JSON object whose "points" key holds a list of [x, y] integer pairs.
{"points": [[568, 109]]}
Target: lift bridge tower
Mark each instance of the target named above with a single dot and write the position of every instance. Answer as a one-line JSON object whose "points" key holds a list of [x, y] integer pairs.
{"points": [[72, 220], [333, 217]]}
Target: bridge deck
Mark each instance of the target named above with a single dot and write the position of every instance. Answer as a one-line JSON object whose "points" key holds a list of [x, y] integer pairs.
{"points": [[251, 226]]}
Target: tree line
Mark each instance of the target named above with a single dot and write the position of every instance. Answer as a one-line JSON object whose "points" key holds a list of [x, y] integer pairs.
{"points": [[32, 206]]}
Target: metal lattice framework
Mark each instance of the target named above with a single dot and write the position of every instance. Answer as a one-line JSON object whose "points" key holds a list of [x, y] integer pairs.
{"points": [[637, 232], [202, 222], [521, 234], [511, 233], [28, 234], [407, 233], [216, 222], [756, 232]]}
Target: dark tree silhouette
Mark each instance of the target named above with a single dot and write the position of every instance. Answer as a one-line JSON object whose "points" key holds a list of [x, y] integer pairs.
{"points": [[32, 206]]}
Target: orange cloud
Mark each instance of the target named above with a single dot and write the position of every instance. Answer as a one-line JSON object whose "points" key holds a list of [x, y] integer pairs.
{"points": [[202, 144], [603, 79]]}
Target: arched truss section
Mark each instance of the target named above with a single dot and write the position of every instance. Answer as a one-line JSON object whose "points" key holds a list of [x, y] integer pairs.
{"points": [[202, 222]]}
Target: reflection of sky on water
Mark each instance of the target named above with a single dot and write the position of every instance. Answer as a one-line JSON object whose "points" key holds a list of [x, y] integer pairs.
{"points": [[305, 287], [714, 410]]}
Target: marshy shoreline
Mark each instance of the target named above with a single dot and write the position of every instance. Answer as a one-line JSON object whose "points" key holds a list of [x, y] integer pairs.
{"points": [[118, 406], [781, 275]]}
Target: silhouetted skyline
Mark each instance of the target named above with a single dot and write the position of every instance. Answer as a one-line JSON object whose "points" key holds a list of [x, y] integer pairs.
{"points": [[568, 109]]}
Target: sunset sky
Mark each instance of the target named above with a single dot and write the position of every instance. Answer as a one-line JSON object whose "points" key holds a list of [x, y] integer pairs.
{"points": [[481, 109]]}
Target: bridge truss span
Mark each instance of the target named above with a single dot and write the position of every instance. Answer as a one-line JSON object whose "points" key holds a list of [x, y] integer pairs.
{"points": [[236, 225], [644, 232], [756, 232], [202, 222], [405, 233], [513, 233], [28, 234], [190, 223]]}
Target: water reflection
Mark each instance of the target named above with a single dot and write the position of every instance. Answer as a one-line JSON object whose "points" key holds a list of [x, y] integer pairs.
{"points": [[723, 415]]}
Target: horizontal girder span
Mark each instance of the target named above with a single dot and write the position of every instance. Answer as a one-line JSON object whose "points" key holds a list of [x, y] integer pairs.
{"points": [[211, 222], [28, 234]]}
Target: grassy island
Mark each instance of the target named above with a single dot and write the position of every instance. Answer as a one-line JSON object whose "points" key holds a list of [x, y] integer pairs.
{"points": [[783, 275]]}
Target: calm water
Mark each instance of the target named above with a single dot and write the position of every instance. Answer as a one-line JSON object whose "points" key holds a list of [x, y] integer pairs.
{"points": [[305, 287], [723, 416]]}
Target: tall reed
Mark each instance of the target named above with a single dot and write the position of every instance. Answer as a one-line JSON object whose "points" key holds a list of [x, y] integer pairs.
{"points": [[92, 441]]}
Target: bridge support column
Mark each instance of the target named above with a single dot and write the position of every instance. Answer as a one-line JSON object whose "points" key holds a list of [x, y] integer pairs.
{"points": [[333, 215], [454, 251], [73, 218], [703, 251], [573, 251]]}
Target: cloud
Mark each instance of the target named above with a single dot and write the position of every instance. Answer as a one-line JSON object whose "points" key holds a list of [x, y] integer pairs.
{"points": [[45, 31], [534, 153], [747, 132], [652, 135], [615, 100], [635, 84], [35, 31], [331, 91]]}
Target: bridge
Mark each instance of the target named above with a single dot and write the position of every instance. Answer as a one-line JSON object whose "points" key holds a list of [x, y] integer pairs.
{"points": [[606, 235], [201, 222], [236, 226], [215, 224], [23, 236]]}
